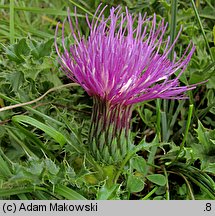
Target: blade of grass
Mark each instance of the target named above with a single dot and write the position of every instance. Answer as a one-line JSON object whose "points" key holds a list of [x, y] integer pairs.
{"points": [[164, 125], [25, 13], [5, 158], [90, 160], [202, 29], [57, 136], [187, 183], [82, 8], [28, 29], [173, 26], [198, 177], [14, 191], [166, 110], [38, 10], [207, 16], [174, 118], [22, 196], [167, 184], [12, 31], [68, 193], [202, 113], [152, 153], [190, 112], [158, 121], [14, 136], [40, 195], [189, 186], [202, 186], [169, 110], [36, 141]]}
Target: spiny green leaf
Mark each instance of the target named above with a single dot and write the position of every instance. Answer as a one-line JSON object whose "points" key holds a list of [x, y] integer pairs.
{"points": [[16, 79], [17, 51], [41, 49]]}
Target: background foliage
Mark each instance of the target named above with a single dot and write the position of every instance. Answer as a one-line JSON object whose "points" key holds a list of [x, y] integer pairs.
{"points": [[43, 148]]}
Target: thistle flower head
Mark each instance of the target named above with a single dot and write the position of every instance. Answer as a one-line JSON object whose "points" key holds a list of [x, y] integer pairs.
{"points": [[121, 60]]}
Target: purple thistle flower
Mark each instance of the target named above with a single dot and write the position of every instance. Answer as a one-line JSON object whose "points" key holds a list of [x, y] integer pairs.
{"points": [[120, 65]]}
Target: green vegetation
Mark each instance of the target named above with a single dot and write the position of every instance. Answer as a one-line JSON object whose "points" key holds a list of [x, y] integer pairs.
{"points": [[44, 118]]}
